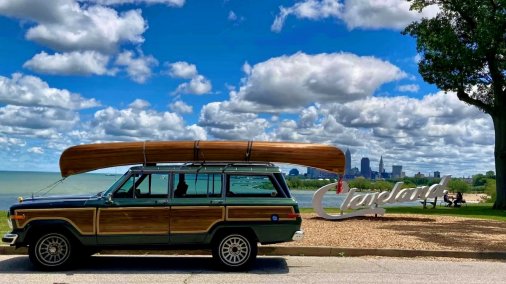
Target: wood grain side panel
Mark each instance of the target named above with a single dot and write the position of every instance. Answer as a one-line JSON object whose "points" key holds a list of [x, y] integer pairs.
{"points": [[195, 219], [83, 219], [133, 220], [259, 213]]}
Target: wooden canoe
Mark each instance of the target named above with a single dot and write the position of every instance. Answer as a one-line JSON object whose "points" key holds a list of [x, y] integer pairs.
{"points": [[88, 157]]}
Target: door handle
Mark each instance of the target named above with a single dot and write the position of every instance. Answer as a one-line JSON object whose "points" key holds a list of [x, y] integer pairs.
{"points": [[163, 202], [219, 202]]}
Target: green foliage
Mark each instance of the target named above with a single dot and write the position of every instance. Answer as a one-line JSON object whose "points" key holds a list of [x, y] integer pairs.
{"points": [[490, 189], [382, 185], [479, 180], [4, 228], [308, 184], [490, 174], [463, 48], [456, 185], [360, 183]]}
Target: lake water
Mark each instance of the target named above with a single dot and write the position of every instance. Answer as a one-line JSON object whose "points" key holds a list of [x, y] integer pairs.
{"points": [[15, 184]]}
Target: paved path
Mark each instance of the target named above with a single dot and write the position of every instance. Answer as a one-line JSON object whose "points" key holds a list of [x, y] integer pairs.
{"points": [[199, 269]]}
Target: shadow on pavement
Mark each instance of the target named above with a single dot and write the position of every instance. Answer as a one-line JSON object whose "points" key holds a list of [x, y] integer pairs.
{"points": [[109, 264]]}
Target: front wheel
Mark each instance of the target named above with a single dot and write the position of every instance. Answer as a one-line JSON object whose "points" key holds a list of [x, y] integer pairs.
{"points": [[52, 251], [235, 251]]}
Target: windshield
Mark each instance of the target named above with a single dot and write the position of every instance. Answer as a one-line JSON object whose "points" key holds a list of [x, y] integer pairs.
{"points": [[116, 184]]}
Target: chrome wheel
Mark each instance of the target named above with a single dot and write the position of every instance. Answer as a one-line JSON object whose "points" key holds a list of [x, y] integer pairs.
{"points": [[234, 250], [52, 250]]}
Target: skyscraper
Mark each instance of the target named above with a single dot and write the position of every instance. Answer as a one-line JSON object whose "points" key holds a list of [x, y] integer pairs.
{"points": [[365, 167], [381, 168], [347, 156], [396, 171]]}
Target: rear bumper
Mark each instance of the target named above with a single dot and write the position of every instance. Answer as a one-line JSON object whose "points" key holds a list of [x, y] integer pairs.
{"points": [[10, 238], [298, 235]]}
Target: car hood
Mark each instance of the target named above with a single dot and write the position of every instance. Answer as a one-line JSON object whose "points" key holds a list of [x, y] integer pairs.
{"points": [[55, 201]]}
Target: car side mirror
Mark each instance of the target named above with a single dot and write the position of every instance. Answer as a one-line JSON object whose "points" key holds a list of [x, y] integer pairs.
{"points": [[108, 198]]}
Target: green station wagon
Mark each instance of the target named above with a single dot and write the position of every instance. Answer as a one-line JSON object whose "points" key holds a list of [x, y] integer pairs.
{"points": [[226, 207]]}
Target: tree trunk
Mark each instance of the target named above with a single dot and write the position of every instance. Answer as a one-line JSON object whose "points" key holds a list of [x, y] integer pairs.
{"points": [[500, 159]]}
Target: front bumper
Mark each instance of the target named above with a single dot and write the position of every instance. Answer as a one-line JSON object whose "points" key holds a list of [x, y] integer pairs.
{"points": [[298, 235], [10, 238]]}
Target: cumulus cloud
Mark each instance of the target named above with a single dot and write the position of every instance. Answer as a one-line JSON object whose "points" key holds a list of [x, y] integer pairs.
{"points": [[36, 122], [367, 14], [25, 90], [180, 107], [435, 132], [182, 70], [36, 150], [141, 124], [172, 3], [139, 104], [6, 141], [308, 9], [411, 88], [198, 85], [70, 63], [288, 83], [223, 124], [373, 14], [232, 16], [138, 68], [65, 25]]}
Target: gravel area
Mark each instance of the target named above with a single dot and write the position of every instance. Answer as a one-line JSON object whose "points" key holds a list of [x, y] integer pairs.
{"points": [[401, 231]]}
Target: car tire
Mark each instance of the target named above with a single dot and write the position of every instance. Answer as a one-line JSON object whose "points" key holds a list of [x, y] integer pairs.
{"points": [[234, 251], [52, 251]]}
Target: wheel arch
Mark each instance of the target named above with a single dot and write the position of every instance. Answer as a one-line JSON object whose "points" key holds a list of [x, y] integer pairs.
{"points": [[220, 231], [36, 228]]}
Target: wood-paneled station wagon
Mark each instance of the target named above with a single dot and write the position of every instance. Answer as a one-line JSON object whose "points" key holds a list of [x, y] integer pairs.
{"points": [[226, 196]]}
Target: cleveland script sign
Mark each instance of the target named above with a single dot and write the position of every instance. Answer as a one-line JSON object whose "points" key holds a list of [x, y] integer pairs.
{"points": [[369, 203]]}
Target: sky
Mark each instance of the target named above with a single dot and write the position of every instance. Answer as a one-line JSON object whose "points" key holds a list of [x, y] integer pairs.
{"points": [[336, 72]]}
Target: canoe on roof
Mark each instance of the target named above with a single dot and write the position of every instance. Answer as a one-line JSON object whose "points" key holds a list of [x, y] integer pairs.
{"points": [[88, 157]]}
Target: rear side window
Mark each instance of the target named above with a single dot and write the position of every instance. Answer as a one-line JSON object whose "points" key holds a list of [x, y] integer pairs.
{"points": [[197, 185], [252, 186]]}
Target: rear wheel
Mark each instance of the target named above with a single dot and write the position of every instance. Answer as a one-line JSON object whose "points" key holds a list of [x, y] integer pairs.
{"points": [[235, 251], [51, 251]]}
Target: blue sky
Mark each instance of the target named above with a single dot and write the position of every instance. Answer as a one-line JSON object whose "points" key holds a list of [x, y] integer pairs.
{"points": [[334, 71]]}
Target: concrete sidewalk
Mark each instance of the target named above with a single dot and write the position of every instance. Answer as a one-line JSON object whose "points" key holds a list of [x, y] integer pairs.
{"points": [[306, 251]]}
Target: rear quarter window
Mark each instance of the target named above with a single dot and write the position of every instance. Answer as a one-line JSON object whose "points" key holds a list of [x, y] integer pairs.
{"points": [[253, 186]]}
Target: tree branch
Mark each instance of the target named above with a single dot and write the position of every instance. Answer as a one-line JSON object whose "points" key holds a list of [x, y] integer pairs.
{"points": [[463, 96]]}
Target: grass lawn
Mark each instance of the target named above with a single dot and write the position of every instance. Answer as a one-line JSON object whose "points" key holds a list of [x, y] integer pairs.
{"points": [[4, 228], [479, 211]]}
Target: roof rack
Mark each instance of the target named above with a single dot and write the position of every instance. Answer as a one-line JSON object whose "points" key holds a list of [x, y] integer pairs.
{"points": [[229, 164]]}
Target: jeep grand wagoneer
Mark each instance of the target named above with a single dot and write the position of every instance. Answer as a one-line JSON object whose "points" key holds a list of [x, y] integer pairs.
{"points": [[228, 208]]}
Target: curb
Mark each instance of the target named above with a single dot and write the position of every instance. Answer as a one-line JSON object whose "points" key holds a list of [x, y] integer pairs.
{"points": [[306, 251]]}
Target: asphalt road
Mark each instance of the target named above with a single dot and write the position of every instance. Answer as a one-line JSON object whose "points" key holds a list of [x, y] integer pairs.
{"points": [[199, 269]]}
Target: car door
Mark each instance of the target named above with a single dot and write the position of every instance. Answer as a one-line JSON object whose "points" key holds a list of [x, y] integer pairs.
{"points": [[196, 206], [137, 213]]}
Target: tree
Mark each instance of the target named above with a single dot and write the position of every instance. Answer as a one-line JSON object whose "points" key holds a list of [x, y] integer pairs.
{"points": [[456, 185], [360, 183], [463, 50], [479, 180]]}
